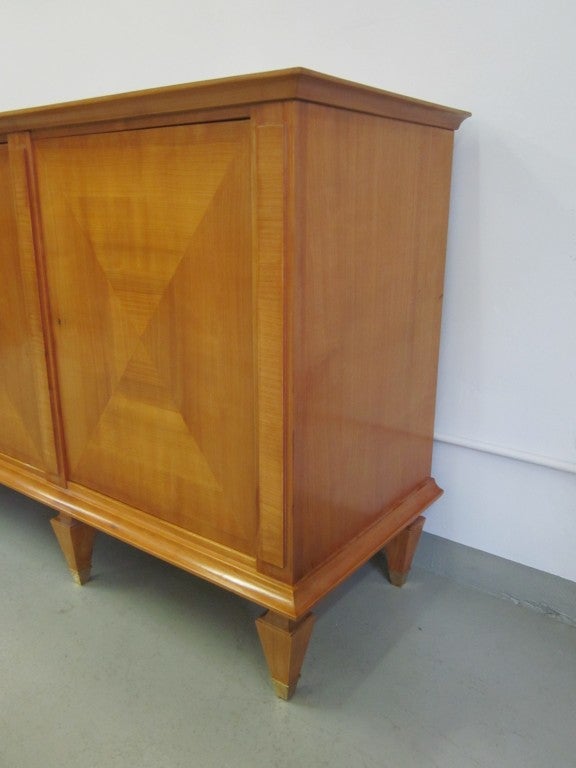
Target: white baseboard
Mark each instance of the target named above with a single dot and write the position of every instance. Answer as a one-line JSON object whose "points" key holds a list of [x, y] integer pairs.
{"points": [[540, 591]]}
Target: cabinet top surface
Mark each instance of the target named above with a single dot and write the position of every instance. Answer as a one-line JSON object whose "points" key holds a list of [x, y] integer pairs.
{"points": [[297, 84]]}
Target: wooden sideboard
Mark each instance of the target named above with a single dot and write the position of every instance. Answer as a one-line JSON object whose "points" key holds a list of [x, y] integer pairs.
{"points": [[219, 314]]}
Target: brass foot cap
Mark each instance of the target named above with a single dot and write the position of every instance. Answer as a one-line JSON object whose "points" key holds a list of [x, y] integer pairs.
{"points": [[81, 577], [397, 578], [283, 690]]}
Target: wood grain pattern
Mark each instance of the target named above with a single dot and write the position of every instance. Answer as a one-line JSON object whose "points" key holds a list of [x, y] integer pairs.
{"points": [[368, 295], [284, 643], [219, 325], [148, 237], [269, 155], [19, 428], [282, 85], [26, 432], [333, 571], [400, 551], [76, 542]]}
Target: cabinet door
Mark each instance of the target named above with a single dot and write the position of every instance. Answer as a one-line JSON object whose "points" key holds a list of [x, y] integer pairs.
{"points": [[25, 416], [148, 239]]}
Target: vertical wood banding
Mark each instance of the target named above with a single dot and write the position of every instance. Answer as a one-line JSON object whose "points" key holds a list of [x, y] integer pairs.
{"points": [[32, 261], [269, 155]]}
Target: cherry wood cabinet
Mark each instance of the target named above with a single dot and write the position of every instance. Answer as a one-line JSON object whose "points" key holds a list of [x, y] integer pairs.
{"points": [[219, 311]]}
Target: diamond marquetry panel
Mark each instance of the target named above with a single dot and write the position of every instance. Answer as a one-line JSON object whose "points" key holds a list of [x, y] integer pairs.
{"points": [[20, 424], [149, 253]]}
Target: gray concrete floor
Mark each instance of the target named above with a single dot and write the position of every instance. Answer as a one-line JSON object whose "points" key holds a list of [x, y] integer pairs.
{"points": [[149, 667]]}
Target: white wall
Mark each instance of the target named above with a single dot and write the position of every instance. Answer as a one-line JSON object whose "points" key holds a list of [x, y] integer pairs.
{"points": [[508, 362]]}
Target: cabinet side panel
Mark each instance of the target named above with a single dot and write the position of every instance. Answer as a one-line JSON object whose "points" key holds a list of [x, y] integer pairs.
{"points": [[149, 263], [25, 421], [368, 291]]}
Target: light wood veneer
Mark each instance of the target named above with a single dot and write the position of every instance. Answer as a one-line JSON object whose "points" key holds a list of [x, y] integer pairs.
{"points": [[220, 312]]}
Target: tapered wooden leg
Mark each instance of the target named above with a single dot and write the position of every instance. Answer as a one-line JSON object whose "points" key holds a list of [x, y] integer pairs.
{"points": [[284, 643], [76, 540], [400, 552]]}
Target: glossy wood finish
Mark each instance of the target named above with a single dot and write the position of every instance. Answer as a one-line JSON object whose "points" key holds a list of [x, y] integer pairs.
{"points": [[220, 565], [220, 344], [269, 138], [15, 405], [284, 643], [367, 319], [152, 317], [296, 84], [76, 542], [26, 427], [400, 551]]}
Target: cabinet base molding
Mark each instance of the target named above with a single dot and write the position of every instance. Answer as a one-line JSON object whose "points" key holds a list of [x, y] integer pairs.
{"points": [[286, 628], [203, 558]]}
